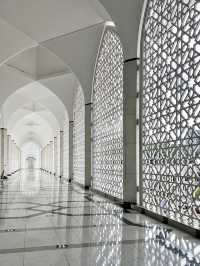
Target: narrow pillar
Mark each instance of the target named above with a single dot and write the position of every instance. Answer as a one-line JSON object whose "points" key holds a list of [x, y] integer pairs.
{"points": [[8, 155], [58, 155], [51, 157], [130, 90], [4, 161], [61, 152], [88, 145], [12, 156], [71, 124], [55, 155], [18, 158], [41, 159], [48, 157], [45, 158]]}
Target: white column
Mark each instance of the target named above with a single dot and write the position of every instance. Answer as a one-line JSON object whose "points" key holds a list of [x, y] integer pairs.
{"points": [[55, 155], [51, 157], [18, 158], [58, 155], [12, 156], [4, 161], [2, 153], [9, 154], [15, 158], [45, 158], [88, 177], [48, 157], [61, 153], [41, 156], [71, 123], [130, 83]]}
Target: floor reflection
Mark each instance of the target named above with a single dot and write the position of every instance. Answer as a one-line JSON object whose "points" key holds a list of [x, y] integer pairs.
{"points": [[46, 221], [167, 247], [30, 183]]}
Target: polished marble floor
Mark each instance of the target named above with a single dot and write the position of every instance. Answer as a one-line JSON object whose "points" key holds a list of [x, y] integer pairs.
{"points": [[47, 222]]}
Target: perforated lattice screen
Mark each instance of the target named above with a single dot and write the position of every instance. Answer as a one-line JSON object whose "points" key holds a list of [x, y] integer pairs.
{"points": [[171, 110], [79, 138], [107, 116]]}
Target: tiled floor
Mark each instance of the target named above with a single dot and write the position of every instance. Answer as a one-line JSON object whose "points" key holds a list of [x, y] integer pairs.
{"points": [[45, 222]]}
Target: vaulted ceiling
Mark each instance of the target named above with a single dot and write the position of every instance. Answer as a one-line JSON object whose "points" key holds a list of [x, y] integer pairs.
{"points": [[48, 48]]}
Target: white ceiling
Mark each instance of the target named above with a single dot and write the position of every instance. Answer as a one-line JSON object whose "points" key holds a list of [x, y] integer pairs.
{"points": [[24, 133], [47, 19], [38, 63], [48, 48], [127, 19], [28, 103]]}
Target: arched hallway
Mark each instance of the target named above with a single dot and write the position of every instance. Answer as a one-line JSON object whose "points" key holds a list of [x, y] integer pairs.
{"points": [[99, 132]]}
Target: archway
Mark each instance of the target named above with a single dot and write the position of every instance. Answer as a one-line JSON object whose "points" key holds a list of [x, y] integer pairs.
{"points": [[107, 117], [170, 110]]}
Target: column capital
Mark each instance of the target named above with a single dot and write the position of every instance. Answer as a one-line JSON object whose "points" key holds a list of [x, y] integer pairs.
{"points": [[88, 104], [131, 60]]}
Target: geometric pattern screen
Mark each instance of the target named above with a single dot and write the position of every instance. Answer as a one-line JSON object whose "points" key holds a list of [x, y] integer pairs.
{"points": [[107, 118], [171, 110], [79, 137]]}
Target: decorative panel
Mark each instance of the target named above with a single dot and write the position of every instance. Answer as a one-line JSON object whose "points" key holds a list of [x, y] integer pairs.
{"points": [[171, 110], [107, 118], [66, 150], [79, 138]]}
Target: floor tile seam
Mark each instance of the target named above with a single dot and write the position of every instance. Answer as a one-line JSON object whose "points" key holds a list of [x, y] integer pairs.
{"points": [[19, 202], [72, 246], [62, 227], [23, 217], [83, 214], [40, 212], [15, 209], [37, 210]]}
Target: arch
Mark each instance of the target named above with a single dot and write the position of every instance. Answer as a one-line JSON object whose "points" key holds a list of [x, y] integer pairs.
{"points": [[38, 97], [33, 109], [169, 109], [107, 116], [32, 126], [38, 66]]}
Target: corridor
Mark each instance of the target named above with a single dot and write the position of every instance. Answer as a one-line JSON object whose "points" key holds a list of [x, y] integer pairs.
{"points": [[47, 222], [100, 133]]}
